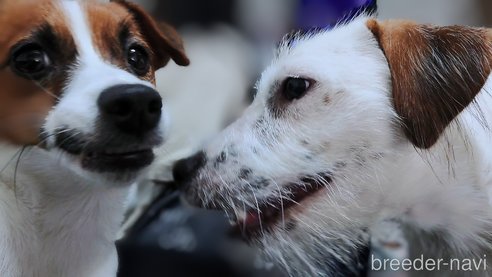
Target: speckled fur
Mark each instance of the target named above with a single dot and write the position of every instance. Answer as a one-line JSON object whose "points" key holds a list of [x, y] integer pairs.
{"points": [[356, 136]]}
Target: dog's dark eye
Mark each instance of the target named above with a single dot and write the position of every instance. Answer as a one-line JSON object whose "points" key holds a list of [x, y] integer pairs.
{"points": [[295, 88], [31, 61], [138, 59]]}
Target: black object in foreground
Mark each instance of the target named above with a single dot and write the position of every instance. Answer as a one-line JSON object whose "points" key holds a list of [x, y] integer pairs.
{"points": [[171, 239]]}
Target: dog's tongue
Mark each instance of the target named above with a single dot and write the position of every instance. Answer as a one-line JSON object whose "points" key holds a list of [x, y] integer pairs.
{"points": [[247, 222], [252, 220]]}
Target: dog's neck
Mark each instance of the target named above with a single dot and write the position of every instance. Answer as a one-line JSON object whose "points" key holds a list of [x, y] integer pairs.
{"points": [[62, 213], [420, 186]]}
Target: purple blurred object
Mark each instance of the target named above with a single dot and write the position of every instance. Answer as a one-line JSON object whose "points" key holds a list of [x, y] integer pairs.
{"points": [[326, 13]]}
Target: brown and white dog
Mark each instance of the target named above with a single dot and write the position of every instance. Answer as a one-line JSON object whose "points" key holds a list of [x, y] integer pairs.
{"points": [[79, 118], [368, 123]]}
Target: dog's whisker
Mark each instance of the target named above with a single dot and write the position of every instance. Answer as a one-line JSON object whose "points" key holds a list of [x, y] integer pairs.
{"points": [[40, 86], [14, 156], [71, 136], [16, 168], [281, 200], [244, 218], [233, 206], [258, 210], [45, 138]]}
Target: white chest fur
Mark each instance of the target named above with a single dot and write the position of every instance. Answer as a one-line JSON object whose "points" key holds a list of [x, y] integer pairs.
{"points": [[53, 223]]}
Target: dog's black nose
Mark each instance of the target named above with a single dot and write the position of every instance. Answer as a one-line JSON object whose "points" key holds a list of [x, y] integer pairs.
{"points": [[132, 109], [185, 169]]}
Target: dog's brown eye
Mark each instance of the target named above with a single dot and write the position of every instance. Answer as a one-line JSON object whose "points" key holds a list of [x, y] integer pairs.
{"points": [[138, 59], [30, 61], [295, 88]]}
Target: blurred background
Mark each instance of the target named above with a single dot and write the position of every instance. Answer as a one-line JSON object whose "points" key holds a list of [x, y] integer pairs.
{"points": [[229, 43]]}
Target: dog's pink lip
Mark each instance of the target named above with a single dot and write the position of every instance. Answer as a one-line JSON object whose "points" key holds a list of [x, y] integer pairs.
{"points": [[254, 224]]}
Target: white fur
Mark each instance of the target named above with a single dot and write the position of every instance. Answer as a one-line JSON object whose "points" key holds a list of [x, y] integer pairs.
{"points": [[378, 174], [57, 219]]}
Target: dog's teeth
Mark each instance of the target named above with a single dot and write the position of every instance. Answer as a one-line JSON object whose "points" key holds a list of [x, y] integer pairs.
{"points": [[241, 216]]}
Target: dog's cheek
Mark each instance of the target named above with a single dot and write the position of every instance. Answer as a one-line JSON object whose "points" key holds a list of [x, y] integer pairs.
{"points": [[23, 109]]}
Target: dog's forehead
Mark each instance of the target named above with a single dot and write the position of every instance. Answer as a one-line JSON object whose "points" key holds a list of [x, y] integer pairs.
{"points": [[324, 54], [102, 24], [343, 38], [99, 26]]}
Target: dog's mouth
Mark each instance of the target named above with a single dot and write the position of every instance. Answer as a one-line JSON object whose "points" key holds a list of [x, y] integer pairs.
{"points": [[117, 161], [254, 223], [105, 157]]}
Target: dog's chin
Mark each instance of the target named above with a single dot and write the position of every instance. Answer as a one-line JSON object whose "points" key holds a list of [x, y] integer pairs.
{"points": [[302, 243], [304, 251], [104, 162], [118, 162], [112, 169]]}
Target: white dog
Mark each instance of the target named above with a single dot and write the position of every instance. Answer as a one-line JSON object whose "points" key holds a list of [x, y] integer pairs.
{"points": [[370, 122]]}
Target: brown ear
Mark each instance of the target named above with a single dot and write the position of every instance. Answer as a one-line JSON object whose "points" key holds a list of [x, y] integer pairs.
{"points": [[436, 72], [164, 39]]}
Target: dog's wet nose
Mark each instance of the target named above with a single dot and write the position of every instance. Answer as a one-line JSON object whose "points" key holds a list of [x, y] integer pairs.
{"points": [[132, 109], [185, 169]]}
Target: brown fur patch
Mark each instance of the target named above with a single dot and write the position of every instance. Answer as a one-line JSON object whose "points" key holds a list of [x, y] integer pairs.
{"points": [[25, 103], [435, 72], [113, 28], [163, 39], [116, 25]]}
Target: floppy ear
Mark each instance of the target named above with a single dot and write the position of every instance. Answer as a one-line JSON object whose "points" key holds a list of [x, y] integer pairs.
{"points": [[164, 39], [436, 72]]}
